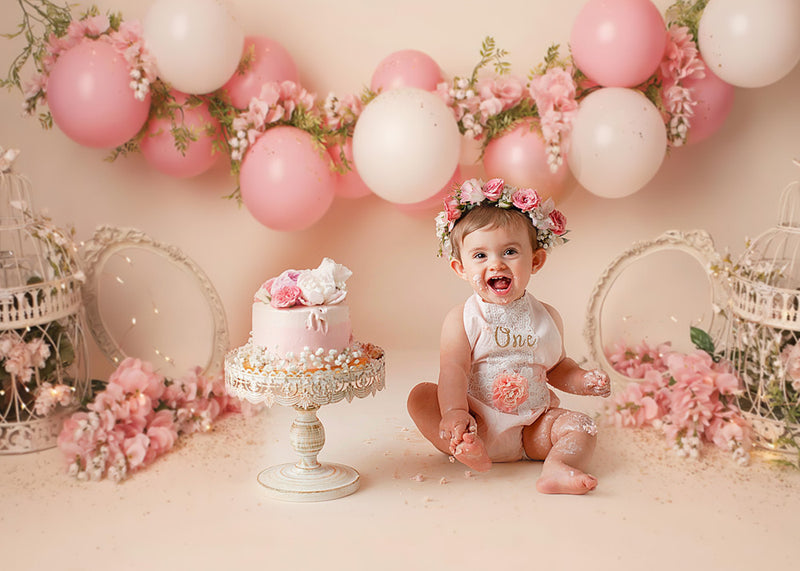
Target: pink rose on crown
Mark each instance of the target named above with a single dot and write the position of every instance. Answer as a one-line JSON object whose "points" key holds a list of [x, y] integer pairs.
{"points": [[526, 199], [509, 391], [558, 222], [451, 210], [493, 189]]}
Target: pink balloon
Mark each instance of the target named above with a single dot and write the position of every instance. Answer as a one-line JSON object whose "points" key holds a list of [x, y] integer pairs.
{"points": [[714, 102], [268, 61], [348, 183], [435, 202], [519, 157], [158, 143], [90, 97], [406, 68], [286, 183], [618, 43]]}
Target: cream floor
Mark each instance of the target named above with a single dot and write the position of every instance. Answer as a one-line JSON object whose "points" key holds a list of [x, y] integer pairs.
{"points": [[200, 506]]}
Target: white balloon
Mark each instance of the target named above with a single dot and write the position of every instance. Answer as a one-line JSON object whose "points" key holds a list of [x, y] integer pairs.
{"points": [[406, 145], [750, 43], [618, 142], [197, 45]]}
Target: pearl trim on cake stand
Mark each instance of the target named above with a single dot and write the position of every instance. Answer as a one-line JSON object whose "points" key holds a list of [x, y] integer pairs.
{"points": [[306, 390]]}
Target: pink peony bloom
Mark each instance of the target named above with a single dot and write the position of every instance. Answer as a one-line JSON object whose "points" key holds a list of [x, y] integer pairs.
{"points": [[526, 199], [509, 391], [554, 90], [504, 92], [493, 188]]}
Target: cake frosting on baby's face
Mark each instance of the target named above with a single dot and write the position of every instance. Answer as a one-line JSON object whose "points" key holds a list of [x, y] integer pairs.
{"points": [[303, 312]]}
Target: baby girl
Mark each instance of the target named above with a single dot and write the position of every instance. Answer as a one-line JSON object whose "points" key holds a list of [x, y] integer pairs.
{"points": [[501, 348]]}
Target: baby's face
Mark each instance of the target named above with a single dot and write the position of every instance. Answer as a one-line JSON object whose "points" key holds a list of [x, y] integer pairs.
{"points": [[498, 262]]}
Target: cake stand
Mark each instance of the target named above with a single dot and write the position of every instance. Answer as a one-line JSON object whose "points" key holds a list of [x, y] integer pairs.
{"points": [[307, 390]]}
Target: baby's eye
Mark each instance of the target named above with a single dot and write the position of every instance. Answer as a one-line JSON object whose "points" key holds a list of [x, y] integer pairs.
{"points": [[478, 256], [510, 252]]}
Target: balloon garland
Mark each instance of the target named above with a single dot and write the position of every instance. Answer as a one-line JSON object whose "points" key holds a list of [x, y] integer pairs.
{"points": [[634, 84]]}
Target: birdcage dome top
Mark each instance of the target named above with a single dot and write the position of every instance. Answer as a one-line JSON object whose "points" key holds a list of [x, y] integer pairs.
{"points": [[773, 258], [40, 276], [766, 279]]}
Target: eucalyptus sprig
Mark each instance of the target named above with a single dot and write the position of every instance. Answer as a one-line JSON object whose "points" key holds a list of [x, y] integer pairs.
{"points": [[40, 19], [490, 54]]}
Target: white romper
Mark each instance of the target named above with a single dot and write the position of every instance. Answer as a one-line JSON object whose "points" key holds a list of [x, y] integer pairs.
{"points": [[512, 345]]}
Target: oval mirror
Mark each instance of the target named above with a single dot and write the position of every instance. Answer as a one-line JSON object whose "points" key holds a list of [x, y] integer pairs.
{"points": [[653, 293], [147, 300]]}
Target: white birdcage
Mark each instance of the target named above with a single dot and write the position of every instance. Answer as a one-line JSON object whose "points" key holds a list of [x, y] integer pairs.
{"points": [[763, 329], [43, 359]]}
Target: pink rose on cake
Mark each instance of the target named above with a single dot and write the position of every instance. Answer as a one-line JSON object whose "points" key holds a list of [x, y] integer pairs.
{"points": [[325, 284], [281, 291]]}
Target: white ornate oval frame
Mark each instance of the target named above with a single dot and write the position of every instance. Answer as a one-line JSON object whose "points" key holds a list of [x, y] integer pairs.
{"points": [[696, 243], [109, 240]]}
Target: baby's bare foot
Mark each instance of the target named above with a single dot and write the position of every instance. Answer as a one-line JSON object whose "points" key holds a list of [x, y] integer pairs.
{"points": [[558, 478], [470, 451]]}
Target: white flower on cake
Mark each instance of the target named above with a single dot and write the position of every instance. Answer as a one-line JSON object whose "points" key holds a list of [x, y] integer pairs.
{"points": [[324, 285]]}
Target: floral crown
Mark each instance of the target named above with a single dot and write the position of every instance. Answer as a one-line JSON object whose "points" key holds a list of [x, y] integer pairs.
{"points": [[550, 223]]}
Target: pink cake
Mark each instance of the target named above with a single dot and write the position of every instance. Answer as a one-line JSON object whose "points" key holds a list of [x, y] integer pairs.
{"points": [[295, 329], [303, 312]]}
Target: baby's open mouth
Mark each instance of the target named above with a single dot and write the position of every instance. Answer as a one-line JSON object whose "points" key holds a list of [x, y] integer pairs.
{"points": [[499, 284]]}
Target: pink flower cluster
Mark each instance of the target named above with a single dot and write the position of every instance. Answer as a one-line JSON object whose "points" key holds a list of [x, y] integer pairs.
{"points": [[636, 362], [474, 106], [128, 41], [681, 61], [554, 93], [276, 102], [137, 418], [340, 113], [509, 392], [688, 396], [21, 358], [50, 396]]}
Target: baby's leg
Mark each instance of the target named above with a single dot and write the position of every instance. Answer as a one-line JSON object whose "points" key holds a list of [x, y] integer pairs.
{"points": [[565, 441], [423, 406]]}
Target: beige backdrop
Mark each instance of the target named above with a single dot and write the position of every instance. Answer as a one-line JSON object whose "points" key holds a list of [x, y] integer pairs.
{"points": [[728, 185]]}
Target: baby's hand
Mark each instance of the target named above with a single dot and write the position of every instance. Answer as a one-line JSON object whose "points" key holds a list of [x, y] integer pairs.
{"points": [[453, 426], [597, 383]]}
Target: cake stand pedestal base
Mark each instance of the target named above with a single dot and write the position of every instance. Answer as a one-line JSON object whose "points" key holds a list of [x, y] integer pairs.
{"points": [[326, 482], [308, 480]]}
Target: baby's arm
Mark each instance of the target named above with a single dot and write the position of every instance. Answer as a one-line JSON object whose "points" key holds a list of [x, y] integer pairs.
{"points": [[569, 377], [454, 366]]}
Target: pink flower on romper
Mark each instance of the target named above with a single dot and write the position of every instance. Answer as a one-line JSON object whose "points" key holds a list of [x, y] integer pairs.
{"points": [[509, 391]]}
